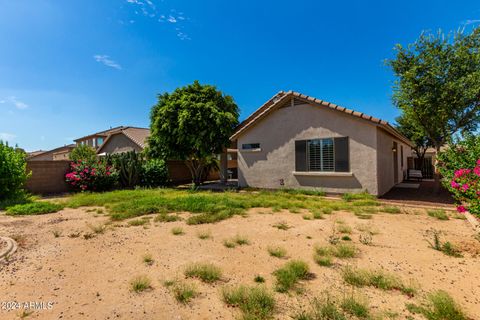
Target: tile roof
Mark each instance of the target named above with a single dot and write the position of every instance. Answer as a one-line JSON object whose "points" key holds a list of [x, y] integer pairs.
{"points": [[281, 97], [59, 149], [102, 133], [137, 135]]}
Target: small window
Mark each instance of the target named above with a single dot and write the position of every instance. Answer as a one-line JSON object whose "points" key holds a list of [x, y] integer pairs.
{"points": [[99, 141], [250, 146]]}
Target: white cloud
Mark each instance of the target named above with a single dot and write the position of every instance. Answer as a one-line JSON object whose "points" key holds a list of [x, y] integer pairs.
{"points": [[9, 137], [14, 101], [182, 35], [471, 21], [18, 104], [104, 59], [155, 9]]}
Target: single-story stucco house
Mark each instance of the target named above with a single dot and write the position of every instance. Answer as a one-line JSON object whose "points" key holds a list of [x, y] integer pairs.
{"points": [[297, 141]]}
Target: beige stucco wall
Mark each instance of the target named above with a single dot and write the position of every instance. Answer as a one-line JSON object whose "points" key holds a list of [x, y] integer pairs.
{"points": [[119, 143], [277, 133], [385, 160]]}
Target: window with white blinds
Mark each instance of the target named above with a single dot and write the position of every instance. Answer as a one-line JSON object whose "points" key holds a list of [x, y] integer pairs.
{"points": [[320, 155]]}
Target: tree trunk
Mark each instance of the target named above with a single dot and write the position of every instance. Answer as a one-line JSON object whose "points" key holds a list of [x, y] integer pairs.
{"points": [[436, 174], [196, 170]]}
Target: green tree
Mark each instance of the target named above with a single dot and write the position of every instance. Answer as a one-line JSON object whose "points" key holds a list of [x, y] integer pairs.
{"points": [[13, 171], [191, 124], [83, 153], [420, 141], [438, 84]]}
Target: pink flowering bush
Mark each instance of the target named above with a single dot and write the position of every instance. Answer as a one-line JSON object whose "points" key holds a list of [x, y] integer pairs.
{"points": [[465, 185], [91, 176], [459, 167]]}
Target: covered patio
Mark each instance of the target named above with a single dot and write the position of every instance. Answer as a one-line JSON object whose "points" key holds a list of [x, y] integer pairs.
{"points": [[421, 193]]}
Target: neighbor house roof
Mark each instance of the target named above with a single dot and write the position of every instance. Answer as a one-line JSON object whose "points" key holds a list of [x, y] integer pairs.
{"points": [[137, 135], [67, 147], [101, 133], [35, 153], [281, 98]]}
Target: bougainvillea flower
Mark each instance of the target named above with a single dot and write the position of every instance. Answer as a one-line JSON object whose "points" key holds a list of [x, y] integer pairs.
{"points": [[454, 184], [461, 209]]}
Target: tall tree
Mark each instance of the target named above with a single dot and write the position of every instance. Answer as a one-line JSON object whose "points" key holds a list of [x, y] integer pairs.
{"points": [[421, 142], [192, 124], [438, 84]]}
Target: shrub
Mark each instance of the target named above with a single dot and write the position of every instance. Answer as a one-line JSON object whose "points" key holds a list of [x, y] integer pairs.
{"points": [[34, 208], [177, 231], [13, 172], [259, 279], [254, 302], [439, 306], [206, 272], [148, 259], [460, 166], [140, 283], [155, 173], [289, 275], [356, 307], [83, 153], [204, 235], [324, 261], [277, 252], [182, 291], [91, 176], [129, 167]]}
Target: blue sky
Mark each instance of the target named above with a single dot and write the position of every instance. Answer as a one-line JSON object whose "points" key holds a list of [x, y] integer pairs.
{"points": [[69, 68]]}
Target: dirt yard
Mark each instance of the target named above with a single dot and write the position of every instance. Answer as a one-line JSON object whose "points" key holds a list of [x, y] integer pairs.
{"points": [[89, 277]]}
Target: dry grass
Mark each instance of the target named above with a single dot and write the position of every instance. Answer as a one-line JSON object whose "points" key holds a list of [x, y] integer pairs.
{"points": [[207, 272], [183, 291], [277, 252], [140, 284], [288, 276], [254, 302]]}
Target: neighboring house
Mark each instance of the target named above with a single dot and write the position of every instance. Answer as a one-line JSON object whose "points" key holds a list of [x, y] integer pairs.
{"points": [[124, 139], [297, 141], [96, 140], [61, 153], [34, 153]]}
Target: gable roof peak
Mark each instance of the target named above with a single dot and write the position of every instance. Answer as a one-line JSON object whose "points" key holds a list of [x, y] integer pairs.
{"points": [[281, 96]]}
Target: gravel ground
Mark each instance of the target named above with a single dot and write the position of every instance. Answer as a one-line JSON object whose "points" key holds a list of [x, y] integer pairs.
{"points": [[90, 278]]}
